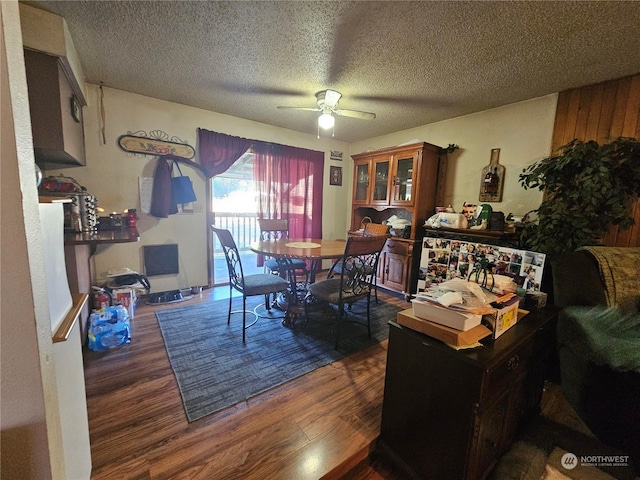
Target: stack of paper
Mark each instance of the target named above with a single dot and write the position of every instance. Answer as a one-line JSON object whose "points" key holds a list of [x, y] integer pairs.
{"points": [[447, 316]]}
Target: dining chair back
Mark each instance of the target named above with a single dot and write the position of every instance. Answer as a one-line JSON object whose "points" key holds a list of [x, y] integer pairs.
{"points": [[273, 228], [247, 285], [278, 229], [370, 230], [357, 278], [375, 229]]}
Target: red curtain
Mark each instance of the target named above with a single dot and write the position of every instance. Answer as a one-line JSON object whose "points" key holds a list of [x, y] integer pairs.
{"points": [[219, 151], [289, 185]]}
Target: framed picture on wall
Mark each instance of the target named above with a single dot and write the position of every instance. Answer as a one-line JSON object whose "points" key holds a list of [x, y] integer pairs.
{"points": [[335, 175], [336, 155]]}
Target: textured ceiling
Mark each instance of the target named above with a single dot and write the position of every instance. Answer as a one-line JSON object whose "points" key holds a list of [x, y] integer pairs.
{"points": [[411, 63]]}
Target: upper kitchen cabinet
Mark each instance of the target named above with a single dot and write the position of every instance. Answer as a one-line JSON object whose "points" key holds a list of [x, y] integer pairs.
{"points": [[387, 179], [56, 89], [362, 171], [371, 180], [56, 112], [405, 170]]}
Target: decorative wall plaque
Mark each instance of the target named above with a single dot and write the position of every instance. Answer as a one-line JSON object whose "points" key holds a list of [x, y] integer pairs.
{"points": [[156, 143], [492, 179]]}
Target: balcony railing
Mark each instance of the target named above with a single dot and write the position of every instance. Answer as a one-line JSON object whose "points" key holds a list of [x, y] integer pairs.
{"points": [[243, 226], [245, 229]]}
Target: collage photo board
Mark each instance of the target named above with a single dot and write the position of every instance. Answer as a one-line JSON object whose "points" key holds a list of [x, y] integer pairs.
{"points": [[443, 259]]}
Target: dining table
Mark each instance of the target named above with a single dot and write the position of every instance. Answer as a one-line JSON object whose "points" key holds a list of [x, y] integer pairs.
{"points": [[314, 250]]}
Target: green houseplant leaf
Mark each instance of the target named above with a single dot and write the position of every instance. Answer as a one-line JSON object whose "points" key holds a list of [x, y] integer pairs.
{"points": [[588, 189]]}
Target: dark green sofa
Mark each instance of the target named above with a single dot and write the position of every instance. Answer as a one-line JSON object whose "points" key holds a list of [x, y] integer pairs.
{"points": [[598, 290]]}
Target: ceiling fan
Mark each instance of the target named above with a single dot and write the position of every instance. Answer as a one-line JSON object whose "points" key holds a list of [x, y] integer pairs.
{"points": [[328, 104]]}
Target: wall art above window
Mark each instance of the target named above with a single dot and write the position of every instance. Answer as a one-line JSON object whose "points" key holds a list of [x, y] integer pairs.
{"points": [[155, 142]]}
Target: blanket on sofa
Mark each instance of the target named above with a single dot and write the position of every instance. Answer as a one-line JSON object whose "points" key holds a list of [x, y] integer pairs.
{"points": [[620, 273], [605, 336]]}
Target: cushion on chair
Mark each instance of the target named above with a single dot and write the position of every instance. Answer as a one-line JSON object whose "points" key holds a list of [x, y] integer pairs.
{"points": [[329, 291], [263, 283], [293, 264]]}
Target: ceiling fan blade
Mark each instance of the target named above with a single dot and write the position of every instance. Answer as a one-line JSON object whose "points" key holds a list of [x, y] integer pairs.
{"points": [[403, 100], [310, 109], [253, 89], [355, 114]]}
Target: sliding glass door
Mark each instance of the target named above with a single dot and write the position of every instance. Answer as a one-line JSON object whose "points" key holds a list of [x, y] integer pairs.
{"points": [[273, 181], [233, 204]]}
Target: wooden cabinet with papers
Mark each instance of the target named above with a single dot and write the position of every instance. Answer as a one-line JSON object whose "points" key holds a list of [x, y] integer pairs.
{"points": [[452, 413]]}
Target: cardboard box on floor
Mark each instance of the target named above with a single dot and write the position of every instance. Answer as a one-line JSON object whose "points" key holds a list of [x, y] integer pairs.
{"points": [[127, 298], [448, 335]]}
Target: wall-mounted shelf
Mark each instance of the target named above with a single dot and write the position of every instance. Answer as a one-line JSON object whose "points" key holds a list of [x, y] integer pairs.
{"points": [[48, 199], [123, 235]]}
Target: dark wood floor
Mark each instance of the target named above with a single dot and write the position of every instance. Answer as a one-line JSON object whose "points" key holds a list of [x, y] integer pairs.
{"points": [[321, 425]]}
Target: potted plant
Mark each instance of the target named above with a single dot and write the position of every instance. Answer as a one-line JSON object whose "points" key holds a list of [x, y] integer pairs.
{"points": [[588, 188]]}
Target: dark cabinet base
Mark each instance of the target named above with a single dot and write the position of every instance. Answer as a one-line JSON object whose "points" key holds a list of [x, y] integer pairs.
{"points": [[451, 414]]}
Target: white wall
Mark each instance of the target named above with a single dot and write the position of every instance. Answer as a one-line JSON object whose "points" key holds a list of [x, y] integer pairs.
{"points": [[31, 431], [521, 130], [112, 176]]}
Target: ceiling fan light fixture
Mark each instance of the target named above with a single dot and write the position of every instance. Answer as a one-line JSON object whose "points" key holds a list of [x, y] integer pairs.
{"points": [[326, 121]]}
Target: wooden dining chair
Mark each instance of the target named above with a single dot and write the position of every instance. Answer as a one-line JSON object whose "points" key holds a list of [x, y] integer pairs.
{"points": [[277, 229], [356, 280], [248, 285], [370, 230]]}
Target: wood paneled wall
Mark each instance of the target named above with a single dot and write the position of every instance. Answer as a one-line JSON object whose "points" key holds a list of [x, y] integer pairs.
{"points": [[602, 112]]}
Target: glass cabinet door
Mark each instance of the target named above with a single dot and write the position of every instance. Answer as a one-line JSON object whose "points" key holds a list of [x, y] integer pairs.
{"points": [[361, 183], [381, 181], [403, 180]]}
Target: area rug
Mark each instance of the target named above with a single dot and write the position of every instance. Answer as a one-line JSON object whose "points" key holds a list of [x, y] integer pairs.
{"points": [[214, 369]]}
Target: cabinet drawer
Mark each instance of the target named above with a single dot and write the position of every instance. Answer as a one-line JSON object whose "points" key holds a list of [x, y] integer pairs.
{"points": [[397, 247], [509, 371]]}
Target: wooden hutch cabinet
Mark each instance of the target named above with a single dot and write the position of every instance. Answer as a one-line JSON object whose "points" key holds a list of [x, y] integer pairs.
{"points": [[400, 181]]}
